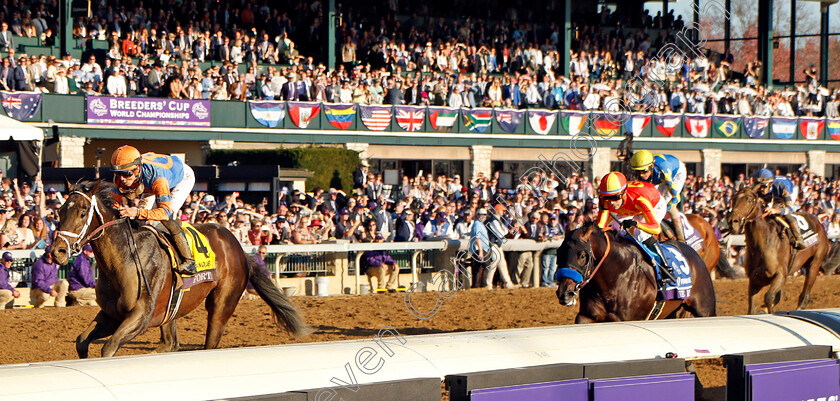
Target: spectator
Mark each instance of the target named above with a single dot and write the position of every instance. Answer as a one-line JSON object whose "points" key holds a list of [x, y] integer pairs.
{"points": [[379, 263], [7, 292], [259, 260], [81, 284], [46, 285]]}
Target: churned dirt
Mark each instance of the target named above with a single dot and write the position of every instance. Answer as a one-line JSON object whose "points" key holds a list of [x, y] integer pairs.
{"points": [[32, 335]]}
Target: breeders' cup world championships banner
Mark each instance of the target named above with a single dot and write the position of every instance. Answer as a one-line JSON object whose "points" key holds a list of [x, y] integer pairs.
{"points": [[147, 111]]}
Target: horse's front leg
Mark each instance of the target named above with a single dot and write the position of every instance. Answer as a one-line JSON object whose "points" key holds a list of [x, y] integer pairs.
{"points": [[774, 293], [810, 279], [135, 323], [102, 326], [168, 338], [753, 297], [581, 319]]}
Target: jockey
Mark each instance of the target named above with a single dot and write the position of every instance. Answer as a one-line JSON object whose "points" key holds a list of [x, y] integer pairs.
{"points": [[769, 189], [161, 181], [668, 174], [639, 208]]}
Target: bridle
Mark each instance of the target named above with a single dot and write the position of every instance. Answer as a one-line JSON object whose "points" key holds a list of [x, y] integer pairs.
{"points": [[83, 236], [752, 198], [585, 272]]}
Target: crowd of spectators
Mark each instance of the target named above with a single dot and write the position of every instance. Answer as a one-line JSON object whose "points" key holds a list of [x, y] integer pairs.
{"points": [[393, 58]]}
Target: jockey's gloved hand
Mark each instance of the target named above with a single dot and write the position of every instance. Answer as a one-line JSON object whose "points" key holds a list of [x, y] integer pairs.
{"points": [[626, 224]]}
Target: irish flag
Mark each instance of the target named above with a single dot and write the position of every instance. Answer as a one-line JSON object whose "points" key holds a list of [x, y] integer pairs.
{"points": [[573, 121]]}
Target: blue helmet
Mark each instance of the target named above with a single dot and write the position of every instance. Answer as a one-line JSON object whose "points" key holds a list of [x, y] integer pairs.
{"points": [[763, 175]]}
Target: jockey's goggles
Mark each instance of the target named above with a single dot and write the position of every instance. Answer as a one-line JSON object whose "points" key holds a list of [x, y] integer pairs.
{"points": [[613, 198]]}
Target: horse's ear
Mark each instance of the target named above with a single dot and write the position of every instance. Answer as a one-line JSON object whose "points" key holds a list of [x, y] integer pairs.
{"points": [[95, 188], [68, 185], [587, 231]]}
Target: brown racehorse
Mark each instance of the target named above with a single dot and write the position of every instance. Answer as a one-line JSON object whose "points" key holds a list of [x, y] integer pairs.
{"points": [[135, 275], [617, 281], [711, 249], [768, 253]]}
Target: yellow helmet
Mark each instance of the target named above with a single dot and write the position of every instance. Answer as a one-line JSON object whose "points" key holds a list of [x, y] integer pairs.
{"points": [[641, 160], [125, 158]]}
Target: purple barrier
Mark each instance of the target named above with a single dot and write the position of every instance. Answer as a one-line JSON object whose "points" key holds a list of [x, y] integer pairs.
{"points": [[818, 381], [787, 365], [674, 387], [571, 390]]}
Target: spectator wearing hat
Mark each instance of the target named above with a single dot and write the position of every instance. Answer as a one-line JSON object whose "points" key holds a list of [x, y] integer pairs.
{"points": [[360, 178], [551, 231], [7, 292], [378, 263], [438, 226], [485, 246], [240, 231], [45, 284], [347, 225], [334, 200], [81, 284], [259, 234], [464, 227], [525, 263], [406, 227]]}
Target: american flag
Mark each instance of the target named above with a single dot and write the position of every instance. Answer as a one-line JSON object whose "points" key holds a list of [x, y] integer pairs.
{"points": [[21, 105], [410, 118], [376, 118]]}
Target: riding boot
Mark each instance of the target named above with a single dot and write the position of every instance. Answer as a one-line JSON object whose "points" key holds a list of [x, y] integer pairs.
{"points": [[179, 239], [798, 242], [677, 221], [664, 269]]}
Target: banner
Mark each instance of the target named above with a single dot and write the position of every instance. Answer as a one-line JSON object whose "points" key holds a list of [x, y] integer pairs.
{"points": [[811, 128], [410, 118], [834, 129], [755, 126], [302, 113], [442, 118], [666, 124], [376, 118], [697, 125], [727, 125], [509, 120], [477, 120], [606, 125], [784, 127], [269, 114], [340, 115], [542, 120], [147, 111], [636, 123], [573, 121], [21, 105]]}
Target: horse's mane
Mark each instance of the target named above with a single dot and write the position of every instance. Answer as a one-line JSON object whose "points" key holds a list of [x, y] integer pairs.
{"points": [[104, 193]]}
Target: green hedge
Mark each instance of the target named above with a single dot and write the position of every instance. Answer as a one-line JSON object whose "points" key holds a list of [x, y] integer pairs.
{"points": [[333, 167]]}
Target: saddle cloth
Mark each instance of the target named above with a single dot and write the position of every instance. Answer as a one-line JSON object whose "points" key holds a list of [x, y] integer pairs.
{"points": [[692, 236], [205, 258], [809, 234], [677, 262]]}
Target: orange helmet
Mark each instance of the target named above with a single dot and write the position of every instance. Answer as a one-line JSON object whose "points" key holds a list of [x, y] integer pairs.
{"points": [[499, 207], [612, 184], [125, 158]]}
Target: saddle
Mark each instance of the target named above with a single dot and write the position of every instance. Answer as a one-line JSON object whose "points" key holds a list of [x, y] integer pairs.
{"points": [[809, 234], [678, 264], [205, 258]]}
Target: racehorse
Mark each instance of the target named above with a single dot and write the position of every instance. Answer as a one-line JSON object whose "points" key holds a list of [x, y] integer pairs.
{"points": [[135, 275], [768, 251], [711, 249], [619, 284]]}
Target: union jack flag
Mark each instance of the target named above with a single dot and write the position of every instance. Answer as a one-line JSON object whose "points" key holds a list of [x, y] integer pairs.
{"points": [[410, 118]]}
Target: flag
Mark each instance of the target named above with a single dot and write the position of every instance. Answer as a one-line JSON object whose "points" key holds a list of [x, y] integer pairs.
{"points": [[376, 118], [727, 125], [269, 114], [21, 105], [698, 126], [834, 129], [636, 123], [509, 120], [542, 120], [811, 128], [340, 115], [573, 121], [477, 120], [303, 113], [784, 127], [666, 124], [606, 125], [410, 118], [755, 126], [442, 118]]}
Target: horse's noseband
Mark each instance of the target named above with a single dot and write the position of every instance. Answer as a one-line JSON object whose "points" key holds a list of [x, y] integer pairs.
{"points": [[580, 274]]}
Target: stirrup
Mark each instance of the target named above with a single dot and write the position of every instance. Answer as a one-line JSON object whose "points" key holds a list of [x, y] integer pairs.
{"points": [[186, 268]]}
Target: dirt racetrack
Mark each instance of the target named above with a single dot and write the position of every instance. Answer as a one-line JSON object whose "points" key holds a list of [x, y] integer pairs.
{"points": [[31, 335]]}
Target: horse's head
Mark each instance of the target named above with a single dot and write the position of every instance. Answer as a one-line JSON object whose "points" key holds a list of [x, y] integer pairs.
{"points": [[575, 263], [746, 206], [88, 206]]}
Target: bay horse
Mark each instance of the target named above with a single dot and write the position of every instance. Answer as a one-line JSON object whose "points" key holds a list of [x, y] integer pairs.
{"points": [[711, 249], [135, 275], [619, 284], [769, 251]]}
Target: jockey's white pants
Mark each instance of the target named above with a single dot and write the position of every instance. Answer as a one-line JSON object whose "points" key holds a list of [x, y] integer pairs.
{"points": [[178, 194]]}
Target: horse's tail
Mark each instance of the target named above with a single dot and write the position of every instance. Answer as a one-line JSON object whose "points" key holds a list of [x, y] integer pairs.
{"points": [[724, 267], [285, 315]]}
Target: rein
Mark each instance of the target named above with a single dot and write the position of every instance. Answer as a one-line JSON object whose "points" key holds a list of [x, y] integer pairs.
{"points": [[598, 266]]}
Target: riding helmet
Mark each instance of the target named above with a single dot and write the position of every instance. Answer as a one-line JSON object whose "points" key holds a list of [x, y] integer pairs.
{"points": [[763, 175], [612, 184], [641, 160], [125, 158]]}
